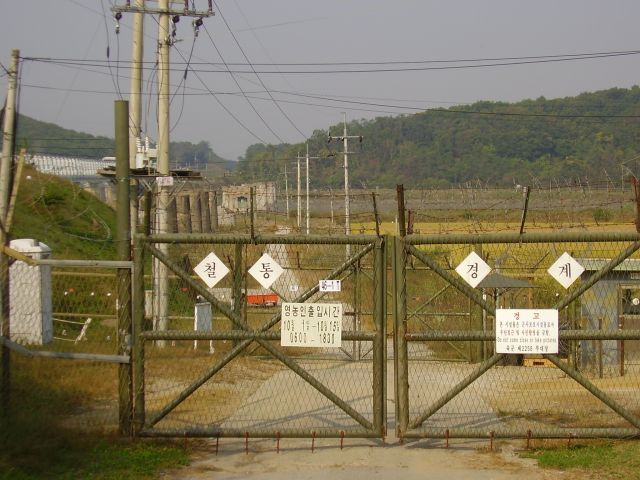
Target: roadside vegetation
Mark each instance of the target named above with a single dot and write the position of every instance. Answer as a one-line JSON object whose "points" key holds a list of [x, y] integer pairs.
{"points": [[35, 440], [591, 460]]}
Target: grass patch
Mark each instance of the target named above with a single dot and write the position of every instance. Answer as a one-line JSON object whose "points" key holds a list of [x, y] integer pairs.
{"points": [[610, 460], [63, 457], [37, 441]]}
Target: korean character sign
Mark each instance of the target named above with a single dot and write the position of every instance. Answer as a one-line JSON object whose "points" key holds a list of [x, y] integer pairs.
{"points": [[266, 270], [211, 270], [473, 269]]}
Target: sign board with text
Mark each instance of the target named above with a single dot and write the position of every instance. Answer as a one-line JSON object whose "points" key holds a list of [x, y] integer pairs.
{"points": [[311, 325], [532, 331]]}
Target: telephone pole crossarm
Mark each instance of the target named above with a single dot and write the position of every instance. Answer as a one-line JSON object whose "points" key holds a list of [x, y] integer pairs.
{"points": [[186, 11]]}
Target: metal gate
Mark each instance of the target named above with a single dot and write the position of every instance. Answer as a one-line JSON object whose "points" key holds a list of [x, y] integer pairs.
{"points": [[229, 375], [459, 386]]}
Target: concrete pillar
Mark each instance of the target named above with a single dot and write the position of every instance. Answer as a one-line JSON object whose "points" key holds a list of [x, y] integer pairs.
{"points": [[206, 213], [172, 216], [183, 214], [213, 208], [196, 212]]}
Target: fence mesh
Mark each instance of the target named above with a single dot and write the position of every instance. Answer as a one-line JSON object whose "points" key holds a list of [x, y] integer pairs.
{"points": [[65, 312], [256, 391], [524, 391]]}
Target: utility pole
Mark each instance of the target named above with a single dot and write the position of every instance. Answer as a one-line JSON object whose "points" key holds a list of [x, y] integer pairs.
{"points": [[299, 206], [286, 189], [306, 158], [135, 102], [345, 143], [8, 141], [161, 290], [167, 19]]}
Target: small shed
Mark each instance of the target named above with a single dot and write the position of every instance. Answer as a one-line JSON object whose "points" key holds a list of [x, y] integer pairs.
{"points": [[505, 290], [613, 303]]}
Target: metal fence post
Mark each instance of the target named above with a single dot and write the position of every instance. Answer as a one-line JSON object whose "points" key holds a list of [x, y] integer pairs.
{"points": [[124, 253], [137, 355], [401, 354], [237, 283], [379, 348]]}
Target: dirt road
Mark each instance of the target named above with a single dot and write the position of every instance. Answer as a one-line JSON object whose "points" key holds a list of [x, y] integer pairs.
{"points": [[360, 459]]}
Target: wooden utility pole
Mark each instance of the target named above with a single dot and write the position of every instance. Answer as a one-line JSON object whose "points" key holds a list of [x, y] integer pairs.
{"points": [[135, 102], [8, 141], [166, 16]]}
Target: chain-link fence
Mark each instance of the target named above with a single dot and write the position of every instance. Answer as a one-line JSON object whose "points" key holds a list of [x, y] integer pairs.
{"points": [[251, 355], [457, 385], [63, 341]]}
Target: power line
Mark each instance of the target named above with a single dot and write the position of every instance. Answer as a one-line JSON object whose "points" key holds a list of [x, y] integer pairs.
{"points": [[257, 76], [235, 80], [226, 109], [360, 104], [467, 63]]}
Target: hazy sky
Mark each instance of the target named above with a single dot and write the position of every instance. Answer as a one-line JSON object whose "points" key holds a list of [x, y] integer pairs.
{"points": [[233, 111]]}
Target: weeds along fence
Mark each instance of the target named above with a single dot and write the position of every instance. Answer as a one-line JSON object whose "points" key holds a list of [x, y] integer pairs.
{"points": [[66, 347]]}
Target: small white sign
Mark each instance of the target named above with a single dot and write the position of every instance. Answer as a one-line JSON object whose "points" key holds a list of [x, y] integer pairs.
{"points": [[330, 285], [266, 270], [211, 270], [311, 325], [164, 181], [473, 269], [294, 288], [566, 270], [526, 331]]}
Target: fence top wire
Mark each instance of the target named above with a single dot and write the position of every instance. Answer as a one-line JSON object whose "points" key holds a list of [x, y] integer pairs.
{"points": [[468, 239]]}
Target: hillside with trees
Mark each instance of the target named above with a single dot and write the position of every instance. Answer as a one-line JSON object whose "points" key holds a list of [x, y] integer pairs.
{"points": [[50, 139], [590, 137]]}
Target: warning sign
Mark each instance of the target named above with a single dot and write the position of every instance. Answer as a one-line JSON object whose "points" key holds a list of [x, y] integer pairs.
{"points": [[526, 331]]}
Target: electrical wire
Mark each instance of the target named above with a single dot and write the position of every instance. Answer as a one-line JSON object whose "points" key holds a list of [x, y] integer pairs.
{"points": [[304, 137], [469, 63], [225, 108], [243, 93], [183, 83], [106, 27]]}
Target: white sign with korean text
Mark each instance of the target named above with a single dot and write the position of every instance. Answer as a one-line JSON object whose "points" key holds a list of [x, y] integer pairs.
{"points": [[566, 270], [266, 270], [330, 285], [525, 330], [311, 325], [211, 270], [473, 269]]}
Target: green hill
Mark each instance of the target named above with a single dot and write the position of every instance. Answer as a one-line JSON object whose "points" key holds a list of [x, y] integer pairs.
{"points": [[47, 138], [591, 135], [71, 221]]}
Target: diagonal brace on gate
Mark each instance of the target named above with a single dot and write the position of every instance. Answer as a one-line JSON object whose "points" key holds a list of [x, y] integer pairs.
{"points": [[456, 281], [182, 396], [595, 391], [456, 390]]}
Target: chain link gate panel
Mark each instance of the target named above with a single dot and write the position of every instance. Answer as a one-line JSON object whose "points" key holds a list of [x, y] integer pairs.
{"points": [[234, 378], [459, 387]]}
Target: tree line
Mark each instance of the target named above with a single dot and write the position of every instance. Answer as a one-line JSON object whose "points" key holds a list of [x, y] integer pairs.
{"points": [[592, 135]]}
